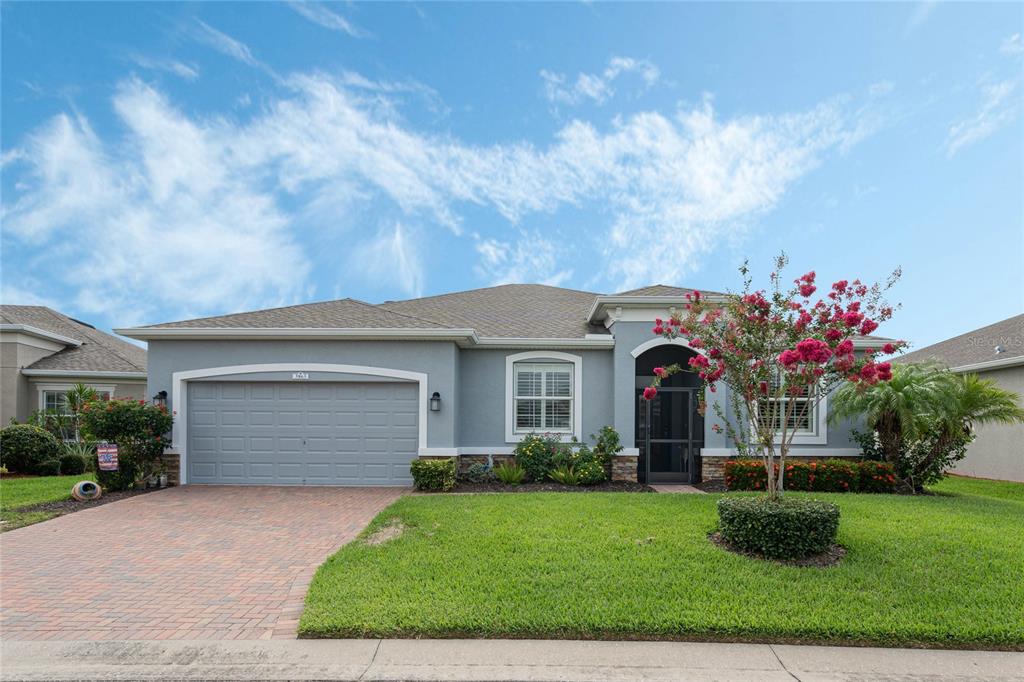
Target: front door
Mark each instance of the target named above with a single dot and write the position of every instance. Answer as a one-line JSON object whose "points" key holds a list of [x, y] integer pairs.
{"points": [[669, 436]]}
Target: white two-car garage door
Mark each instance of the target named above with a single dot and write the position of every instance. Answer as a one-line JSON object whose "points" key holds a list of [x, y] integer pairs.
{"points": [[259, 433]]}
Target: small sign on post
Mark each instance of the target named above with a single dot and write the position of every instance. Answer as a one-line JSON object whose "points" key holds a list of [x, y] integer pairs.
{"points": [[106, 455]]}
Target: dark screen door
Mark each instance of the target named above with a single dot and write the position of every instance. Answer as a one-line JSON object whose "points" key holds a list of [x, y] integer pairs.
{"points": [[665, 435]]}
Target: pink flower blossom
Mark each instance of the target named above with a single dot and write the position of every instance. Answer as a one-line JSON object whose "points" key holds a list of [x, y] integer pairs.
{"points": [[814, 350], [806, 290], [650, 392], [845, 348], [868, 326], [833, 334], [698, 361], [660, 371], [888, 349], [659, 330], [789, 358]]}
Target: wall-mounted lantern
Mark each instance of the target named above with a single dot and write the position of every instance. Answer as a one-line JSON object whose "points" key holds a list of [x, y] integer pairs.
{"points": [[435, 402], [160, 398]]}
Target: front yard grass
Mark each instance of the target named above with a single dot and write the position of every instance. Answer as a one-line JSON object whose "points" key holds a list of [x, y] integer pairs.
{"points": [[942, 570], [16, 493]]}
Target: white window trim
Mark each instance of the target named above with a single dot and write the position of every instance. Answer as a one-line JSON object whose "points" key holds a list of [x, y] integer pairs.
{"points": [[43, 388], [818, 435], [577, 391]]}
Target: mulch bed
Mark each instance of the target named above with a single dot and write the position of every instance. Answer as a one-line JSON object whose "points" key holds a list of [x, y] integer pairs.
{"points": [[552, 487], [72, 505], [830, 557]]}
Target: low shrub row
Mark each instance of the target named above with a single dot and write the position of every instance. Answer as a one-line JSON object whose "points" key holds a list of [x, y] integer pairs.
{"points": [[826, 476], [546, 457], [433, 474]]}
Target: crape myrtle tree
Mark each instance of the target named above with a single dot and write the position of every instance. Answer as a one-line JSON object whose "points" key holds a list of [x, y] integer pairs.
{"points": [[779, 352]]}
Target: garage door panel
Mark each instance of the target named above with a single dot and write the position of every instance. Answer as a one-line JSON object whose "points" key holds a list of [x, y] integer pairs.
{"points": [[302, 433]]}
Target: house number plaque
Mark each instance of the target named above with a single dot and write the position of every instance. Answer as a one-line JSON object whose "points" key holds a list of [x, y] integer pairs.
{"points": [[299, 376]]}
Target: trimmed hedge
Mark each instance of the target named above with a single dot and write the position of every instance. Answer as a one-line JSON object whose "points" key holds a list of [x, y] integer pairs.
{"points": [[823, 476], [71, 465], [433, 474], [25, 447], [48, 467], [787, 528]]}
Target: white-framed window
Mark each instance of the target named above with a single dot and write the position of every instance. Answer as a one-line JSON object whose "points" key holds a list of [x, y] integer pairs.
{"points": [[543, 394], [804, 417], [53, 396], [543, 397]]}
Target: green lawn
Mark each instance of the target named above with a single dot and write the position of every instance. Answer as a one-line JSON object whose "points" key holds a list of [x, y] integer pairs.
{"points": [[942, 570], [16, 493]]}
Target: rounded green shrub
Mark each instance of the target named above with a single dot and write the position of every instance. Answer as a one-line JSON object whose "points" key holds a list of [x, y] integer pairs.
{"points": [[24, 447], [433, 474], [48, 467], [591, 472], [785, 528], [71, 465], [138, 428]]}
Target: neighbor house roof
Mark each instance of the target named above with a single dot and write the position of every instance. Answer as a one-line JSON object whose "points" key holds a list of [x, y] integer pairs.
{"points": [[999, 344], [663, 290], [87, 349]]}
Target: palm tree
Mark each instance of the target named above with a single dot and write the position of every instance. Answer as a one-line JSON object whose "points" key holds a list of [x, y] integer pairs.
{"points": [[925, 416]]}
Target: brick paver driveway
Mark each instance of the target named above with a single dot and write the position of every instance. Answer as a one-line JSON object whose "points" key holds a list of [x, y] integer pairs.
{"points": [[197, 562]]}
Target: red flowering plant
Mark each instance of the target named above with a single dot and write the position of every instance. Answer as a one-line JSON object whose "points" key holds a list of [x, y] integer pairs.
{"points": [[779, 352], [138, 428]]}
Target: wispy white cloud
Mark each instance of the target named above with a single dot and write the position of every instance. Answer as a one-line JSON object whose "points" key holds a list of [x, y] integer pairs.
{"points": [[204, 200], [187, 71], [320, 14], [1012, 46], [596, 87], [392, 256], [919, 16], [999, 106], [532, 259], [223, 43]]}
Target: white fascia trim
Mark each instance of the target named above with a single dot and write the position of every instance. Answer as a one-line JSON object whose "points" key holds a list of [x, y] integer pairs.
{"points": [[146, 334], [821, 452], [989, 364], [437, 452], [179, 393], [29, 330], [577, 391], [589, 341], [599, 310], [69, 373], [861, 343], [662, 341]]}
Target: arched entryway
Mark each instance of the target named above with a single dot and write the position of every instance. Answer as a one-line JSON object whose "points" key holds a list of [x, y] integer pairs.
{"points": [[669, 430]]}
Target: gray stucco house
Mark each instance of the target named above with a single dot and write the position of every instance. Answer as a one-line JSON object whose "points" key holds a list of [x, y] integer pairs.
{"points": [[43, 353], [348, 393], [994, 352]]}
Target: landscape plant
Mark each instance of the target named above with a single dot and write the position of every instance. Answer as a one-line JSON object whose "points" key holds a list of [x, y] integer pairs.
{"points": [[139, 430], [433, 474], [24, 448], [923, 419], [828, 476], [478, 472], [510, 473], [779, 352], [536, 453]]}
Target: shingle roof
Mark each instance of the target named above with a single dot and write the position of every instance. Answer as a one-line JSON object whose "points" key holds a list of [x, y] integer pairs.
{"points": [[976, 346], [662, 290], [533, 311], [99, 352], [346, 313]]}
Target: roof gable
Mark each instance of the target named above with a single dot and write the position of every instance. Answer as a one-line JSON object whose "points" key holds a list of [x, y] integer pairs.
{"points": [[99, 351]]}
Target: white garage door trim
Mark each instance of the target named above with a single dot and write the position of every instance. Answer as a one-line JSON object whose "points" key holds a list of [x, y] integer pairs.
{"points": [[179, 394]]}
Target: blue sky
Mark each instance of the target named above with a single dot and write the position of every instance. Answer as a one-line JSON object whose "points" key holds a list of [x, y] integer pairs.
{"points": [[163, 161]]}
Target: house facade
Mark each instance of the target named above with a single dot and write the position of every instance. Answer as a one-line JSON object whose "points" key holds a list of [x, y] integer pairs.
{"points": [[993, 352], [348, 393], [43, 353]]}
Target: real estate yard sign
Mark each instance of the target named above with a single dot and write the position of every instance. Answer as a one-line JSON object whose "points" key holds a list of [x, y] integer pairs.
{"points": [[106, 454]]}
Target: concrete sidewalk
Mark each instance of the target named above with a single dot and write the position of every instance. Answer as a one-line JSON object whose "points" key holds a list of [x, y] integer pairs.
{"points": [[371, 659]]}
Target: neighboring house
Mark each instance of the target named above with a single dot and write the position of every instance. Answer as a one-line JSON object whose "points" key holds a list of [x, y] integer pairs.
{"points": [[347, 393], [44, 353], [994, 352]]}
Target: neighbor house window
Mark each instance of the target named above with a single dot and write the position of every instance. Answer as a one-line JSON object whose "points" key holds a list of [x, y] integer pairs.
{"points": [[54, 401], [543, 396]]}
